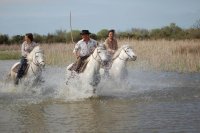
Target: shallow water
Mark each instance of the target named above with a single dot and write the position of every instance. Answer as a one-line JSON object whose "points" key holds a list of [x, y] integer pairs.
{"points": [[149, 102]]}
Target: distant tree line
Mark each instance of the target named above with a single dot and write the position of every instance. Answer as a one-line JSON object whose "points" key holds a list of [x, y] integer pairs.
{"points": [[170, 32]]}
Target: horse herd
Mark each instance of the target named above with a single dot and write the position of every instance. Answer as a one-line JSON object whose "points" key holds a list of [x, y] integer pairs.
{"points": [[93, 71]]}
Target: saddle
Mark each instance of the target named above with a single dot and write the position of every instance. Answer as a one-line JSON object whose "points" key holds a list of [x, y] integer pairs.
{"points": [[16, 68], [81, 68]]}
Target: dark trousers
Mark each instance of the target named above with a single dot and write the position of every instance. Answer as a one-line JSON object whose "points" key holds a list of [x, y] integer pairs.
{"points": [[22, 68]]}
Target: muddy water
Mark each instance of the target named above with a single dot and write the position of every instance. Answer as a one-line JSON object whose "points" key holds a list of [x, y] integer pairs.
{"points": [[149, 102]]}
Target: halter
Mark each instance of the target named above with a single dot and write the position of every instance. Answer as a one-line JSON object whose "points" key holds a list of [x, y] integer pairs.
{"points": [[126, 54], [37, 63], [96, 57]]}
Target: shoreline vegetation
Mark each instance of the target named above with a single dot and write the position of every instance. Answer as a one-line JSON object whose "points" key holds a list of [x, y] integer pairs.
{"points": [[159, 55]]}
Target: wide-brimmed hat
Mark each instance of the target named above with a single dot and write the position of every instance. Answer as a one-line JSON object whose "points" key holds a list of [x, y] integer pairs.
{"points": [[85, 32]]}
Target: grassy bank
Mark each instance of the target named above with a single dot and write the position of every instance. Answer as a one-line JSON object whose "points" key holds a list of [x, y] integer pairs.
{"points": [[9, 52], [162, 55], [8, 55]]}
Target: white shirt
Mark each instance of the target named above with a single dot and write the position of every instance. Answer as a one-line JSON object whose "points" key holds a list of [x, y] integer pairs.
{"points": [[27, 48], [85, 48]]}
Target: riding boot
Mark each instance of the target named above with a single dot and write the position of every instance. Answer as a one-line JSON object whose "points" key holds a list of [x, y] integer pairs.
{"points": [[78, 64], [22, 68]]}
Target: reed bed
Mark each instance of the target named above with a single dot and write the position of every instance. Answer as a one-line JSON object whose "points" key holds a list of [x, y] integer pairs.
{"points": [[14, 47], [159, 55], [181, 56], [58, 54]]}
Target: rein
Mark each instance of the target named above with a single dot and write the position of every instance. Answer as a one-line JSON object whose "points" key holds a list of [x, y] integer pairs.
{"points": [[120, 57]]}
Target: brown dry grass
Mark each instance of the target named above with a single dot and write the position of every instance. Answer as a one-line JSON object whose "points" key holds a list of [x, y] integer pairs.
{"points": [[162, 55], [14, 47], [181, 56], [58, 54]]}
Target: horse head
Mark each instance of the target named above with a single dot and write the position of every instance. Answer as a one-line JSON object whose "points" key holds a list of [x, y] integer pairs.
{"points": [[100, 54], [125, 53], [37, 56]]}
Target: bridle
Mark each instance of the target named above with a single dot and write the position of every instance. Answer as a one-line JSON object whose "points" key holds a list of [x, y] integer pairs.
{"points": [[126, 54], [97, 55], [37, 63]]}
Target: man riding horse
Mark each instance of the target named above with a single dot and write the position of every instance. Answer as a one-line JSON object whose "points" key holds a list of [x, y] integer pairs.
{"points": [[83, 49]]}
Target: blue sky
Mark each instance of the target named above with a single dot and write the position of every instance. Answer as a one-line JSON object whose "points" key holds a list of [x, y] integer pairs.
{"points": [[47, 16]]}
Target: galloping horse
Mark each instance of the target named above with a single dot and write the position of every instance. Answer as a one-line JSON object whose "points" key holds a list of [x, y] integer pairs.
{"points": [[118, 70], [35, 65], [91, 73]]}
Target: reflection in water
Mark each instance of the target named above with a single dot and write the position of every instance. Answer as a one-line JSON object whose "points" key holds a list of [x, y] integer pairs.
{"points": [[31, 118], [110, 115], [147, 102]]}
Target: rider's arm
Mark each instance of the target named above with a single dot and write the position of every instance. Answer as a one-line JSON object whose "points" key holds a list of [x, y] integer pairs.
{"points": [[108, 49], [77, 53], [24, 53], [76, 50]]}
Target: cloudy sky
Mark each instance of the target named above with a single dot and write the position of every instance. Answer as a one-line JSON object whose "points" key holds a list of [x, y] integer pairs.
{"points": [[47, 16]]}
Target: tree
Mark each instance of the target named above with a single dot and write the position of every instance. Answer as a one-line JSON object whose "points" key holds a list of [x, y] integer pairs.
{"points": [[140, 33], [17, 39], [75, 34], [39, 38], [60, 36], [168, 32], [102, 34], [196, 25], [4, 39]]}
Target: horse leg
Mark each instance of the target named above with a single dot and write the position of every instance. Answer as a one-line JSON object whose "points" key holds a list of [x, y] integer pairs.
{"points": [[72, 75], [21, 70]]}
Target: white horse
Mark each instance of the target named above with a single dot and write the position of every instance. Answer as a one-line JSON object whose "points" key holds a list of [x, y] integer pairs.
{"points": [[91, 73], [35, 65], [118, 70]]}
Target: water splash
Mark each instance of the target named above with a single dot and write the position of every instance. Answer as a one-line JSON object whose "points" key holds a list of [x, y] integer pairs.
{"points": [[139, 84]]}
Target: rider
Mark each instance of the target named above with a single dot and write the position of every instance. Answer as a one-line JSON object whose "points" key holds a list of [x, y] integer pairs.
{"points": [[83, 49], [111, 46], [26, 48], [111, 43]]}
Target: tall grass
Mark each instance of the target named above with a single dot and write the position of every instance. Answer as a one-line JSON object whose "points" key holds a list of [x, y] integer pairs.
{"points": [[181, 56], [162, 55], [58, 54]]}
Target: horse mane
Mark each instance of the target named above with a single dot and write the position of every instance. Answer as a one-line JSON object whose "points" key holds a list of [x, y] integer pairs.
{"points": [[37, 48], [118, 51]]}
